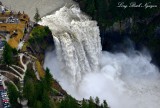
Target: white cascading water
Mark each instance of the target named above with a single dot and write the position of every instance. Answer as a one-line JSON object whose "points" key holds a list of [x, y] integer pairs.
{"points": [[125, 81], [77, 42]]}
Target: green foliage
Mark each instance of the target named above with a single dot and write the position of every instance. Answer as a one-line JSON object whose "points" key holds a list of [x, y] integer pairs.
{"points": [[69, 102], [97, 101], [84, 104], [91, 104], [96, 9], [105, 105], [37, 16], [40, 31], [38, 104], [46, 103], [29, 92], [48, 79], [29, 89], [38, 92], [47, 30], [15, 52], [106, 11], [29, 74], [38, 36], [7, 54], [13, 95], [91, 7]]}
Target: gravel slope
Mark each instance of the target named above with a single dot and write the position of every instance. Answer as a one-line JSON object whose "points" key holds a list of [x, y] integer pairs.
{"points": [[29, 6]]}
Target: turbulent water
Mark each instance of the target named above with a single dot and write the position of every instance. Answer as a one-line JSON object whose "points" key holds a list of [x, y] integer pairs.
{"points": [[83, 70], [77, 42]]}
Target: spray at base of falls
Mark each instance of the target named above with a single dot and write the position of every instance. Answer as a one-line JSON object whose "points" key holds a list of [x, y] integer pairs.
{"points": [[125, 81]]}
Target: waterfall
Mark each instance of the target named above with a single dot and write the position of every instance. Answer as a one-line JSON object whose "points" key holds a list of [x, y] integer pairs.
{"points": [[77, 42], [83, 70]]}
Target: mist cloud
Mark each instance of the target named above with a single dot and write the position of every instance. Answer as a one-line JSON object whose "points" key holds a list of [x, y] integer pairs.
{"points": [[124, 81]]}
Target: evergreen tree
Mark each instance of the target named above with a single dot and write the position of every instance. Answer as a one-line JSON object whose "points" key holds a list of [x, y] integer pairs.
{"points": [[69, 102], [84, 104], [48, 79], [97, 101], [13, 95], [7, 54], [38, 104], [105, 105], [91, 103], [45, 100], [37, 16], [29, 92], [37, 92]]}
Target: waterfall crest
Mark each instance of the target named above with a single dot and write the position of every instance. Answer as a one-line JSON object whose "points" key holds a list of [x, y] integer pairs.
{"points": [[77, 42]]}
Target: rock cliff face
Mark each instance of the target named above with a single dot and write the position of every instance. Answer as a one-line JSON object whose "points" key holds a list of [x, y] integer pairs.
{"points": [[39, 43], [38, 49]]}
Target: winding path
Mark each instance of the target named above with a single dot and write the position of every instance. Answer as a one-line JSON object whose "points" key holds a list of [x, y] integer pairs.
{"points": [[17, 74], [16, 71], [2, 71], [18, 67], [4, 78]]}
